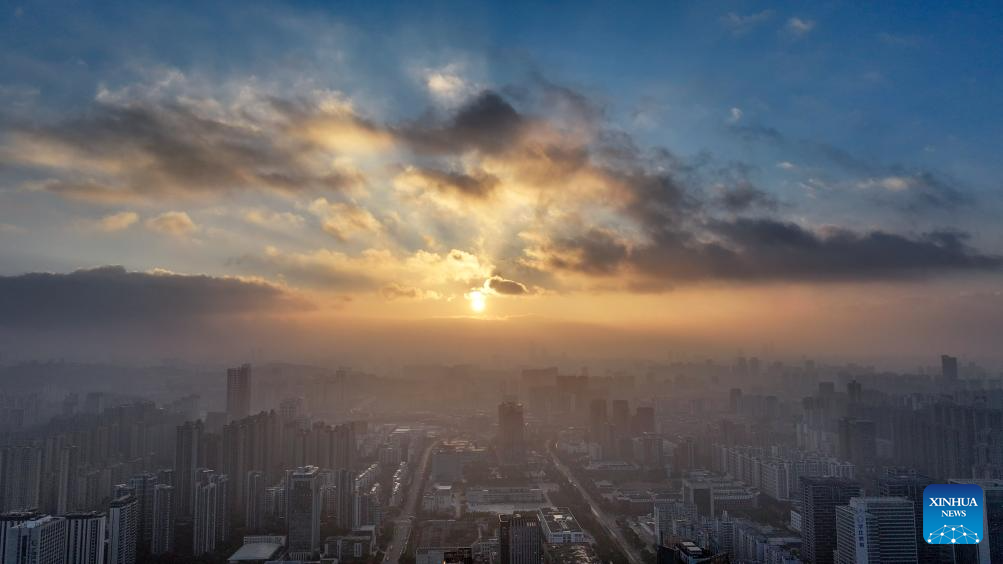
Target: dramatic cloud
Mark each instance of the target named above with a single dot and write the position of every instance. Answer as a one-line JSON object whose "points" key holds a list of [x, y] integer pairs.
{"points": [[395, 291], [141, 149], [764, 250], [477, 186], [111, 295], [744, 196], [344, 220], [488, 124], [272, 220], [175, 223], [533, 179], [373, 269]]}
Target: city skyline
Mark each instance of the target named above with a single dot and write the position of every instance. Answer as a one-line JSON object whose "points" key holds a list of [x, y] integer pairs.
{"points": [[324, 181]]}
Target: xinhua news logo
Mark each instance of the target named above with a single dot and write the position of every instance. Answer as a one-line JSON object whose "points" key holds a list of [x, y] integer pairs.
{"points": [[953, 513]]}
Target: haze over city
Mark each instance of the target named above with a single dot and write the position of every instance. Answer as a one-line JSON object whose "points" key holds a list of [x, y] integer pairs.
{"points": [[501, 282]]}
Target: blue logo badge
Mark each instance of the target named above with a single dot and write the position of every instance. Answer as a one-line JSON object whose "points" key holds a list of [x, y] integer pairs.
{"points": [[952, 513]]}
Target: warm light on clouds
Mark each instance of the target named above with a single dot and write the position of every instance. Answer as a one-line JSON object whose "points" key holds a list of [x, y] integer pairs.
{"points": [[114, 222], [175, 223], [404, 174]]}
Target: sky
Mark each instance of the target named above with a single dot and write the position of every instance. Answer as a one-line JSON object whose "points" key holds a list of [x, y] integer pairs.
{"points": [[462, 179]]}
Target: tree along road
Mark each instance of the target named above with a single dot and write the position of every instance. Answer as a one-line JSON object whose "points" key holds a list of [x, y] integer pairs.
{"points": [[612, 529], [403, 526]]}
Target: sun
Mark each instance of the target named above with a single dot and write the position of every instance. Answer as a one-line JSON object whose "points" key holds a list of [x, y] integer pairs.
{"points": [[477, 301]]}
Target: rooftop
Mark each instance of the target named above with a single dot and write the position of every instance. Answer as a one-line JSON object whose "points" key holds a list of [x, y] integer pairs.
{"points": [[256, 551], [559, 519]]}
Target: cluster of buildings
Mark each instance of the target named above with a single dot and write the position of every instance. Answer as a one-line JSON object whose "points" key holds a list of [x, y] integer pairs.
{"points": [[134, 481]]}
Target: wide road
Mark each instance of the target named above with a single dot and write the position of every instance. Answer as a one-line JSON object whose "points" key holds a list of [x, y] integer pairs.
{"points": [[608, 523], [402, 527]]}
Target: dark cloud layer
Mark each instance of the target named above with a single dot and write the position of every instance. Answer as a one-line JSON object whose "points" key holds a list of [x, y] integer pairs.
{"points": [[922, 191], [111, 295], [150, 150], [478, 186], [744, 196], [763, 250], [664, 219], [488, 124], [507, 287]]}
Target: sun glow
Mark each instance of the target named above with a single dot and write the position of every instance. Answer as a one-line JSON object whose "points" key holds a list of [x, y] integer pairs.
{"points": [[478, 301]]}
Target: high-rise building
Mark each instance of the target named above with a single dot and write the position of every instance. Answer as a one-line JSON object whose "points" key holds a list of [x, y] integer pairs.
{"points": [[9, 521], [511, 439], [992, 515], [820, 497], [525, 539], [85, 538], [620, 415], [343, 447], [188, 457], [251, 443], [21, 469], [123, 529], [367, 510], [597, 420], [142, 486], [303, 511], [254, 500], [67, 470], [644, 419], [949, 367], [858, 442], [162, 541], [344, 482], [238, 392], [876, 530], [504, 539], [911, 486], [41, 540], [210, 525]]}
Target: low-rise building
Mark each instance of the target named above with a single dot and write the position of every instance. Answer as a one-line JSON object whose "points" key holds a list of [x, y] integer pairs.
{"points": [[559, 526]]}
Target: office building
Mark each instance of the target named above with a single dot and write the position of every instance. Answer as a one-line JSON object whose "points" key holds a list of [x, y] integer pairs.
{"points": [[991, 549], [820, 497], [520, 540], [871, 530], [911, 486], [162, 541], [559, 526], [504, 539], [85, 538], [303, 511], [238, 392]]}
